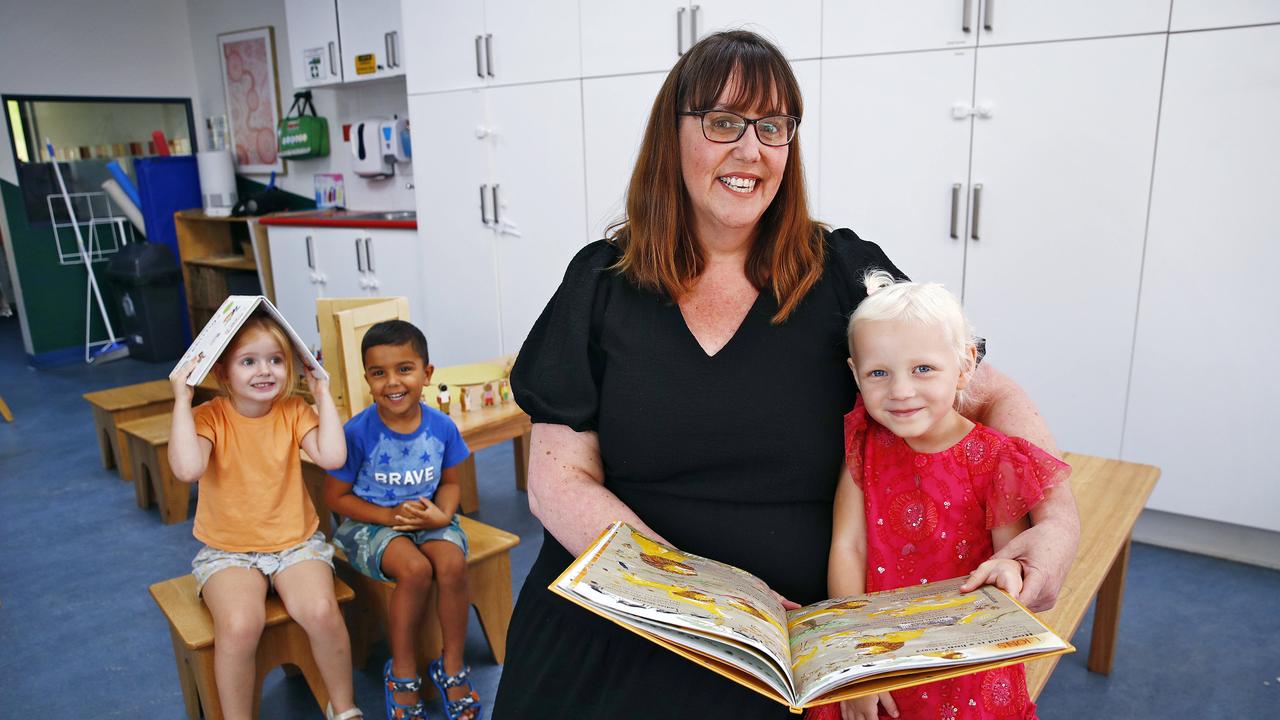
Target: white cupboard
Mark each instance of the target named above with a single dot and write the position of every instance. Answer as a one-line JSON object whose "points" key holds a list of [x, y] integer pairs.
{"points": [[1204, 14], [859, 28], [1025, 21], [336, 41], [1202, 404], [462, 45]]}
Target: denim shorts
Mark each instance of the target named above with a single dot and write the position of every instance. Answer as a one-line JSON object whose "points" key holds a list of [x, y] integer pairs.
{"points": [[210, 560], [364, 543]]}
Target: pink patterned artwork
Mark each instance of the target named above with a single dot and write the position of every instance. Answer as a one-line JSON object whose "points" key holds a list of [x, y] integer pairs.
{"points": [[249, 78]]}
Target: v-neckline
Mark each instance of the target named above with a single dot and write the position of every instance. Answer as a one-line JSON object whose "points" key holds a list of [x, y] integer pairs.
{"points": [[742, 324]]}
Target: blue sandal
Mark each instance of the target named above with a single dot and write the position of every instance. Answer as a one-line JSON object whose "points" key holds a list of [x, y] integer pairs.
{"points": [[392, 685], [454, 709]]}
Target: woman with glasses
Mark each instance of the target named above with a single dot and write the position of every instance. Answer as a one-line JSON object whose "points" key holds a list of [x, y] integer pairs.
{"points": [[689, 377]]}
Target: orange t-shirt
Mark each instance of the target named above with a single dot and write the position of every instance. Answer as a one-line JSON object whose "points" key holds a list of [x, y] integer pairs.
{"points": [[251, 497]]}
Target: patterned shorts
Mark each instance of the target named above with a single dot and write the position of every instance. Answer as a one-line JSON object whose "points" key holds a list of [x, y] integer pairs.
{"points": [[364, 543], [210, 560]]}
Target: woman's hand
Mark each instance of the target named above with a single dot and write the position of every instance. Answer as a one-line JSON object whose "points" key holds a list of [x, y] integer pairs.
{"points": [[786, 604], [1045, 553], [864, 708], [178, 381]]}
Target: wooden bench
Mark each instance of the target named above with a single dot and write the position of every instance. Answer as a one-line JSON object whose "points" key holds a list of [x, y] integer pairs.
{"points": [[153, 481], [283, 642], [1109, 494], [488, 583], [116, 406]]}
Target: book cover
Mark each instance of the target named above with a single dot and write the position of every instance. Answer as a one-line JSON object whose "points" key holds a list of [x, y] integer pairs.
{"points": [[217, 334]]}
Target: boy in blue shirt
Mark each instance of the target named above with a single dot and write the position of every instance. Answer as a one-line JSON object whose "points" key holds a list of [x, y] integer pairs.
{"points": [[399, 492]]}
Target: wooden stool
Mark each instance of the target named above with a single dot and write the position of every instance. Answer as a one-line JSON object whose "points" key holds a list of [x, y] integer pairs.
{"points": [[191, 630], [153, 481], [119, 405], [488, 583]]}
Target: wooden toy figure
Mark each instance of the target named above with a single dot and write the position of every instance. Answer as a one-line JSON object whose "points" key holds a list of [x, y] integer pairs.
{"points": [[442, 398], [487, 399], [504, 390], [465, 397]]}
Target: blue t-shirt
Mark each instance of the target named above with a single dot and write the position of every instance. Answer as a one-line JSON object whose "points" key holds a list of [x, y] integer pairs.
{"points": [[388, 467]]}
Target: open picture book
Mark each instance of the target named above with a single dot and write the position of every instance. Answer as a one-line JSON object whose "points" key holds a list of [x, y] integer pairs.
{"points": [[729, 621], [217, 334]]}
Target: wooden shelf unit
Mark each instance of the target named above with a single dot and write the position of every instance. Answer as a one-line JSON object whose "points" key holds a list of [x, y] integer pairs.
{"points": [[210, 250]]}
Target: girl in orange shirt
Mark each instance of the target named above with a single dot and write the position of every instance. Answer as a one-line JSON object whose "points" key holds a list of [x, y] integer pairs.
{"points": [[254, 514]]}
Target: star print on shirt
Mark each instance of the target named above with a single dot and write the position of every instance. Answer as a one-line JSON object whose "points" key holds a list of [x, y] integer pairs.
{"points": [[384, 458]]}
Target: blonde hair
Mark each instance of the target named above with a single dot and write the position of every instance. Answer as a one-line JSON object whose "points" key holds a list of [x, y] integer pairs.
{"points": [[261, 322], [923, 303]]}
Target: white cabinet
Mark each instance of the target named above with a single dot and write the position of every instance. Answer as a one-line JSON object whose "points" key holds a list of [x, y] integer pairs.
{"points": [[624, 37], [456, 45], [499, 228], [859, 28], [335, 41], [1064, 162], [1203, 14], [314, 262], [1025, 21], [1048, 200], [1203, 400], [315, 50], [371, 43]]}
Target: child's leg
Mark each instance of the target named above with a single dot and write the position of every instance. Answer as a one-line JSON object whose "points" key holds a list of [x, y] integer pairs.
{"points": [[450, 567], [413, 575], [236, 598], [306, 589]]}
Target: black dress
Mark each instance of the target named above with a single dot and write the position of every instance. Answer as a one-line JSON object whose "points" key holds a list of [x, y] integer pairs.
{"points": [[733, 456]]}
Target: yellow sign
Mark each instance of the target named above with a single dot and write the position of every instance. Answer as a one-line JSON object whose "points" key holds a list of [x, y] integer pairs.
{"points": [[366, 64]]}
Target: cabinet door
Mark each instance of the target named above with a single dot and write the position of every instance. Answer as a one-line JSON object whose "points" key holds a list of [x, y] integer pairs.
{"points": [[315, 54], [340, 258], [371, 43], [1203, 14], [1024, 21], [541, 197], [293, 263], [1065, 167], [809, 76], [531, 42], [894, 156], [795, 27], [614, 112], [859, 28], [457, 246], [443, 45], [624, 36], [393, 263], [1203, 400]]}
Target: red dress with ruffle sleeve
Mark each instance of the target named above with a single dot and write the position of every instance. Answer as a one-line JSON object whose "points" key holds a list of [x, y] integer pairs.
{"points": [[929, 517]]}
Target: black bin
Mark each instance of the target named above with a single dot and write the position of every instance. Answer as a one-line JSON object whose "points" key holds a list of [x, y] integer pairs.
{"points": [[149, 300]]}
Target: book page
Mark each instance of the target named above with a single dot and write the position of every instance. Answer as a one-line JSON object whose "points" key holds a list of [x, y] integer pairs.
{"points": [[629, 575], [217, 333], [837, 641]]}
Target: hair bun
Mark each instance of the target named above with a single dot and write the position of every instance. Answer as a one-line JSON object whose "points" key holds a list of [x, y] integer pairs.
{"points": [[877, 280]]}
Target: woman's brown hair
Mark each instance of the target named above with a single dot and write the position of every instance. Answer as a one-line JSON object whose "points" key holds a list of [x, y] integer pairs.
{"points": [[659, 249]]}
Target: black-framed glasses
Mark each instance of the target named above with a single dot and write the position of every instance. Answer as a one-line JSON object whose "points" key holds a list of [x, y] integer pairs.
{"points": [[722, 126]]}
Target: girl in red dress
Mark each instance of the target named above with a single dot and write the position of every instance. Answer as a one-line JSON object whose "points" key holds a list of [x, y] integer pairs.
{"points": [[927, 494]]}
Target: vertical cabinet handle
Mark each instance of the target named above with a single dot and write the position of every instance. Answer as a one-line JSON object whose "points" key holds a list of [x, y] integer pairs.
{"points": [[311, 260], [988, 15], [395, 48], [479, 72], [484, 214], [359, 261], [488, 54], [495, 205], [965, 25], [386, 47], [693, 25], [368, 253], [977, 210], [680, 31], [955, 211], [333, 63]]}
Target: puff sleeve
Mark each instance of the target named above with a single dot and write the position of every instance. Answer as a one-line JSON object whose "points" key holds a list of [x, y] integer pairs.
{"points": [[556, 378], [1011, 474]]}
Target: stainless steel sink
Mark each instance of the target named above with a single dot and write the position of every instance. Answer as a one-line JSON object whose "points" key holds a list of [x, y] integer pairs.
{"points": [[392, 215]]}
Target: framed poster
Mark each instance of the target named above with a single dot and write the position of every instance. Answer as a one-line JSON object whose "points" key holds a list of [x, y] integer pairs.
{"points": [[252, 90]]}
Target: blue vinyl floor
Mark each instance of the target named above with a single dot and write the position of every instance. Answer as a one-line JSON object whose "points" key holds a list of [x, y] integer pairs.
{"points": [[81, 638]]}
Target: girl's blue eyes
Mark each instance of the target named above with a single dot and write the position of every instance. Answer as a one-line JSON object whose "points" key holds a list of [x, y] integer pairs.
{"points": [[877, 373], [917, 369], [274, 361], [924, 368]]}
